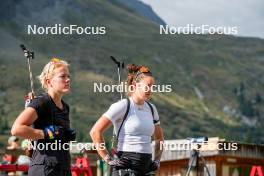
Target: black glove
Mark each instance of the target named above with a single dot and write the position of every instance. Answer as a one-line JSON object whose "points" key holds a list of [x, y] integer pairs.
{"points": [[70, 135], [154, 165], [53, 132]]}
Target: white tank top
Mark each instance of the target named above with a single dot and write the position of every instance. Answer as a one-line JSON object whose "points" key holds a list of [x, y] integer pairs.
{"points": [[136, 132]]}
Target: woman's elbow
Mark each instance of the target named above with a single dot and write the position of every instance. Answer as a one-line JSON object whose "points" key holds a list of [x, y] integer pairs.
{"points": [[93, 133], [14, 130], [99, 127]]}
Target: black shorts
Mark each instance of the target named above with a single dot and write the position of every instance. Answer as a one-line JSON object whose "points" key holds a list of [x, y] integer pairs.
{"points": [[46, 170], [138, 165]]}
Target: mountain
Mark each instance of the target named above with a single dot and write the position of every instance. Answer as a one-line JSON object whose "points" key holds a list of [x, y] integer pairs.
{"points": [[216, 80], [140, 8]]}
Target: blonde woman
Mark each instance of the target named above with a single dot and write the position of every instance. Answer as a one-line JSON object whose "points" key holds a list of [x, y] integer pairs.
{"points": [[46, 121], [135, 121]]}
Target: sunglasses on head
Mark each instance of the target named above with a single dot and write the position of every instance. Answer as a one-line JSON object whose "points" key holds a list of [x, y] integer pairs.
{"points": [[142, 70], [51, 62]]}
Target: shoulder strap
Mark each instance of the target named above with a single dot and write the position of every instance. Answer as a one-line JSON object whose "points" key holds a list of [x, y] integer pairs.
{"points": [[124, 118], [152, 112]]}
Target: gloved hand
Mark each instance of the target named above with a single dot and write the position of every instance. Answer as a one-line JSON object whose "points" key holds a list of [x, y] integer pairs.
{"points": [[114, 161], [70, 134], [53, 132], [154, 165]]}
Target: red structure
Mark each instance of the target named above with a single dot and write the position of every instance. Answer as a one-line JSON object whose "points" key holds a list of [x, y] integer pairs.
{"points": [[82, 166], [13, 167], [256, 170]]}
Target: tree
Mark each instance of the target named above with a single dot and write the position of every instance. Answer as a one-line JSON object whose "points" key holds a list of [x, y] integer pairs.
{"points": [[258, 98]]}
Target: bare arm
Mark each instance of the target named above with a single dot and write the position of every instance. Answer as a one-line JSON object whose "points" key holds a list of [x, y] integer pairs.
{"points": [[158, 136], [21, 126], [96, 134]]}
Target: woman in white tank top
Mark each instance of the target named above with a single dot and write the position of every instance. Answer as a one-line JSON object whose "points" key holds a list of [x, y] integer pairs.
{"points": [[135, 121]]}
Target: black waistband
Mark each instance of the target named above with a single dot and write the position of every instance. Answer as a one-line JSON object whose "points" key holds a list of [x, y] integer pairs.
{"points": [[141, 155]]}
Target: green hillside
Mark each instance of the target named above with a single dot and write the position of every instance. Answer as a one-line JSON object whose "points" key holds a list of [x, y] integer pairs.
{"points": [[215, 78]]}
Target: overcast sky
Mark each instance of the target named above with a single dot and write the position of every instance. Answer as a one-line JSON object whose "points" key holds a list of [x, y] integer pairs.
{"points": [[247, 15]]}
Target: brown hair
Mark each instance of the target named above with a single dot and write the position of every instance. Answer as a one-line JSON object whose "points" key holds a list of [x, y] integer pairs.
{"points": [[135, 73]]}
